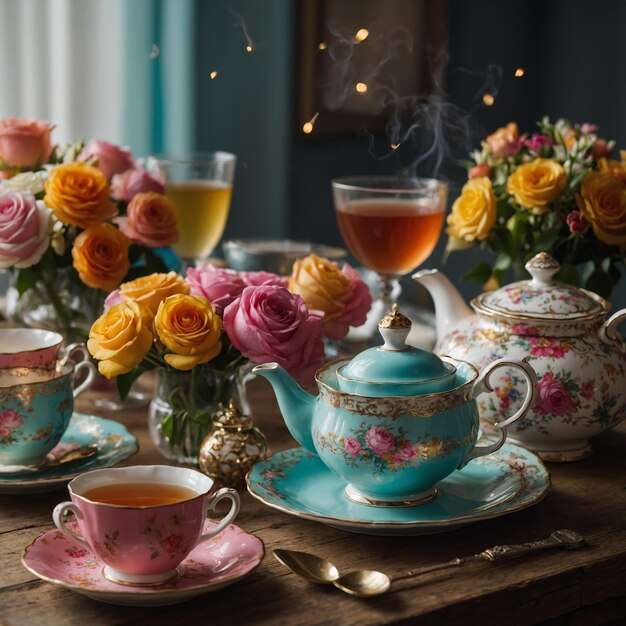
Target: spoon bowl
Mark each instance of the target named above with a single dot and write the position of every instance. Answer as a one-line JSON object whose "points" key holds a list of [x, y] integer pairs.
{"points": [[363, 583], [313, 568]]}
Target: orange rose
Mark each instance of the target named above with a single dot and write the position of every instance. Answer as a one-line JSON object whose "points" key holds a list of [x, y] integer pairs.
{"points": [[150, 291], [616, 168], [100, 256], [190, 329], [504, 141], [78, 194], [151, 220], [602, 202], [536, 184]]}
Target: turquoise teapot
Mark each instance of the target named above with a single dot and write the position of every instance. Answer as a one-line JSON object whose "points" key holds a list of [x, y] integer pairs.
{"points": [[395, 420]]}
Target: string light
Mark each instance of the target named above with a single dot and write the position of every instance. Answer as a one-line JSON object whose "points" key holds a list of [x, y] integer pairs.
{"points": [[213, 75], [249, 48], [322, 45], [488, 99], [361, 35], [361, 87], [244, 29], [395, 146], [519, 72], [307, 127]]}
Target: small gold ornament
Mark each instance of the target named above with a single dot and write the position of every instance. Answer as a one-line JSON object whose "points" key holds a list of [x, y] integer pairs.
{"points": [[228, 453]]}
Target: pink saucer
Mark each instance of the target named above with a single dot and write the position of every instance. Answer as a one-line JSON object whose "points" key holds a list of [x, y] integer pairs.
{"points": [[216, 563]]}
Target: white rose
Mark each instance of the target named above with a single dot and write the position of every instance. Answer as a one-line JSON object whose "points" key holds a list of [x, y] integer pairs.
{"points": [[27, 182], [24, 230]]}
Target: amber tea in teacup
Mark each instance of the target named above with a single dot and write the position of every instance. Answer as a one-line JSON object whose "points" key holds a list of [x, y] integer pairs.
{"points": [[140, 494]]}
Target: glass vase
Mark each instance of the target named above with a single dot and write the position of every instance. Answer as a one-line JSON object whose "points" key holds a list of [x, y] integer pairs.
{"points": [[184, 404], [61, 303]]}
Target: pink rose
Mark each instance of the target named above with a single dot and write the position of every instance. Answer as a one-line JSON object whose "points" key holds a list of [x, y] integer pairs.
{"points": [[587, 390], [150, 220], [219, 286], [352, 447], [552, 396], [600, 149], [131, 182], [9, 420], [589, 129], [24, 230], [379, 440], [356, 303], [577, 223], [404, 455], [269, 323], [24, 143], [523, 329], [548, 347], [173, 543], [111, 158], [537, 142], [115, 297], [255, 279], [479, 171]]}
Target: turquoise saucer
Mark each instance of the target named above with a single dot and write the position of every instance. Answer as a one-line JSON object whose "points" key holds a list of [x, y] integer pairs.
{"points": [[297, 482], [115, 444]]}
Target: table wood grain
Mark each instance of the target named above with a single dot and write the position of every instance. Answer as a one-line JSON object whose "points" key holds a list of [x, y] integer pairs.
{"points": [[586, 586]]}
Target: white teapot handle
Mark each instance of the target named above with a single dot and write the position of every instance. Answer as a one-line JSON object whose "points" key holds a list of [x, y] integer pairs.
{"points": [[607, 330], [483, 385]]}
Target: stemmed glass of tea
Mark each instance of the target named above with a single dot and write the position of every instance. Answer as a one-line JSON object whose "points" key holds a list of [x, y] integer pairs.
{"points": [[200, 186], [390, 224]]}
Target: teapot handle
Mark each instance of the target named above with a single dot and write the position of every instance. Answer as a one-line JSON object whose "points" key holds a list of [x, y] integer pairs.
{"points": [[607, 330], [483, 385]]}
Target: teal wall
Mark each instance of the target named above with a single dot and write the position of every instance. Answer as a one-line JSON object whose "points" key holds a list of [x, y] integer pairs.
{"points": [[573, 53]]}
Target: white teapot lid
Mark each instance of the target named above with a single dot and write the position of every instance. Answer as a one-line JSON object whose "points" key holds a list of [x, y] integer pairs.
{"points": [[541, 297]]}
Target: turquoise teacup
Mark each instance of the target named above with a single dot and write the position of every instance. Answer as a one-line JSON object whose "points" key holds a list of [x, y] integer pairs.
{"points": [[35, 414]]}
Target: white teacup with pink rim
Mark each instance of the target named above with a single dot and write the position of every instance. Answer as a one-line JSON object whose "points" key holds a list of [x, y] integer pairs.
{"points": [[142, 521], [29, 347]]}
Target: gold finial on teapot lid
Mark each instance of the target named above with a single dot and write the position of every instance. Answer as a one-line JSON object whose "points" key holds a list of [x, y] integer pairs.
{"points": [[231, 417], [395, 319]]}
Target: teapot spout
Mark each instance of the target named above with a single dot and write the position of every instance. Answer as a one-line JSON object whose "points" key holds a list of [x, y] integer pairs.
{"points": [[450, 308], [295, 404]]}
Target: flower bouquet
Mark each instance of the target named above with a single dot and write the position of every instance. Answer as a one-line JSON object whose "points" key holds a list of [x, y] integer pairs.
{"points": [[202, 333], [556, 190], [74, 223]]}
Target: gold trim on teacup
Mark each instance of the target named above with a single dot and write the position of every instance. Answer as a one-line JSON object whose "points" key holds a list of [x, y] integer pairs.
{"points": [[425, 405]]}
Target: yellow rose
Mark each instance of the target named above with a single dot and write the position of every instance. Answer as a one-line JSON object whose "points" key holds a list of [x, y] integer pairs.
{"points": [[100, 256], [602, 202], [320, 283], [190, 329], [78, 194], [473, 212], [536, 184], [151, 290], [503, 142], [616, 168], [119, 339]]}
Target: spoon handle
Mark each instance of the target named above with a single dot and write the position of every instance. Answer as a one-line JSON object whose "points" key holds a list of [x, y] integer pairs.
{"points": [[559, 539]]}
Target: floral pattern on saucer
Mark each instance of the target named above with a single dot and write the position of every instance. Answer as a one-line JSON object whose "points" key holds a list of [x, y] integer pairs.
{"points": [[218, 562], [298, 483], [115, 444]]}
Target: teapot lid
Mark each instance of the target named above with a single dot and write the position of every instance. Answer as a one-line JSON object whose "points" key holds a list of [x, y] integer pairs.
{"points": [[395, 361], [541, 298]]}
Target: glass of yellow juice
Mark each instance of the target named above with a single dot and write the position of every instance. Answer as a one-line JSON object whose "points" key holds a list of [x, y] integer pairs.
{"points": [[200, 186]]}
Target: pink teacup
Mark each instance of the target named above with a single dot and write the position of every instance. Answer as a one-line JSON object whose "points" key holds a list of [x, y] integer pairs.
{"points": [[29, 347], [142, 544]]}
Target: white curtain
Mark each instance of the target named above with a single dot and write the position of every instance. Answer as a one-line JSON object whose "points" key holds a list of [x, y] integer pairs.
{"points": [[62, 61]]}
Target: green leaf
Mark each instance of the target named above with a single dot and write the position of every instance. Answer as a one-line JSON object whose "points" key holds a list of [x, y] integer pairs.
{"points": [[546, 240], [26, 279], [480, 273], [568, 274], [167, 426], [599, 282], [125, 381]]}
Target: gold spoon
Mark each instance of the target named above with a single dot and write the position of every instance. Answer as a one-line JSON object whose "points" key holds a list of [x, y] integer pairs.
{"points": [[368, 583]]}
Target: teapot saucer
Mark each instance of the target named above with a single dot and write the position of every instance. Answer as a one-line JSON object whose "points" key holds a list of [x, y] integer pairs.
{"points": [[298, 483], [115, 444], [211, 565]]}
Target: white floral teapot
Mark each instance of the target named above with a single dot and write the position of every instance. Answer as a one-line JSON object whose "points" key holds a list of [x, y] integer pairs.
{"points": [[563, 332]]}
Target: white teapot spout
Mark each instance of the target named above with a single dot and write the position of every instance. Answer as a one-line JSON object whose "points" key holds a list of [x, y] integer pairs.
{"points": [[450, 308]]}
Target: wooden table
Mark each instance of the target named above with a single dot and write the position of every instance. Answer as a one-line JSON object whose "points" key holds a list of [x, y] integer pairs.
{"points": [[586, 586]]}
